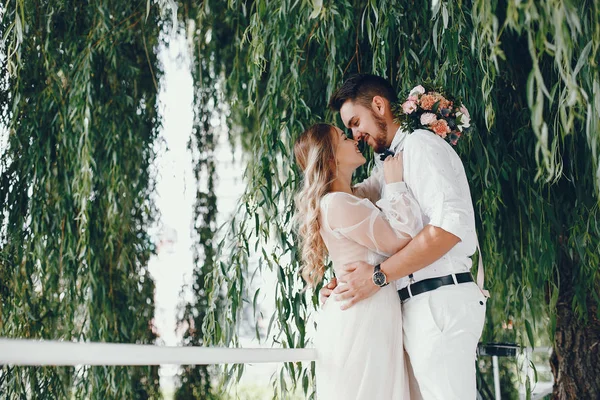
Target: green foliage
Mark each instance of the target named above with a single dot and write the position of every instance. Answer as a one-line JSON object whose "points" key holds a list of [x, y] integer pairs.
{"points": [[528, 73], [79, 103], [195, 382], [80, 107]]}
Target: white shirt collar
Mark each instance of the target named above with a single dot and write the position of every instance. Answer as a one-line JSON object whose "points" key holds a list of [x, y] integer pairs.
{"points": [[398, 142]]}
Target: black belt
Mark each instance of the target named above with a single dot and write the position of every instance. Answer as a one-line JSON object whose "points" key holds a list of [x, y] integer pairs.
{"points": [[433, 283]]}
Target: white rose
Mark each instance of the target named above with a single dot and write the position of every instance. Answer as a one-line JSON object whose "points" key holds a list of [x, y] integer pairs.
{"points": [[428, 118], [409, 107], [463, 118], [417, 90]]}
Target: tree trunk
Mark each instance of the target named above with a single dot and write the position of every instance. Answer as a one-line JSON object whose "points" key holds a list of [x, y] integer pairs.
{"points": [[575, 360]]}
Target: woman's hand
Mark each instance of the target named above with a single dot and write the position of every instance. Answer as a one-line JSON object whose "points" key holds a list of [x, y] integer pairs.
{"points": [[326, 290], [393, 169]]}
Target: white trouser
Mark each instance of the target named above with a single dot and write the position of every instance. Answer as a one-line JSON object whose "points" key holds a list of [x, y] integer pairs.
{"points": [[441, 331]]}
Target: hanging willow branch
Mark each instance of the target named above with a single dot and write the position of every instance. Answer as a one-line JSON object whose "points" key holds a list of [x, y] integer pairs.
{"points": [[75, 189], [528, 73]]}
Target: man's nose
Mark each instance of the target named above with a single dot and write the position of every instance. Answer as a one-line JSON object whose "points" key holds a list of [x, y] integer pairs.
{"points": [[356, 134]]}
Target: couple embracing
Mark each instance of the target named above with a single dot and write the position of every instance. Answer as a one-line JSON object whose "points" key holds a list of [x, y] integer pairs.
{"points": [[403, 319]]}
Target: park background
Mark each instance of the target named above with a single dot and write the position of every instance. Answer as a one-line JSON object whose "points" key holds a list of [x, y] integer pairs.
{"points": [[147, 180]]}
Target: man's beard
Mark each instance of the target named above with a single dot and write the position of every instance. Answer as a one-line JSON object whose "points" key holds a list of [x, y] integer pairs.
{"points": [[380, 137]]}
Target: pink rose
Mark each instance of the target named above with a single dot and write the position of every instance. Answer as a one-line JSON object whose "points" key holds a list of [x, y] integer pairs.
{"points": [[417, 90], [428, 118], [413, 98], [409, 107]]}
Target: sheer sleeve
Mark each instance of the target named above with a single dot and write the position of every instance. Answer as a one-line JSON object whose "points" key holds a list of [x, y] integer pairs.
{"points": [[370, 188], [383, 231], [401, 209]]}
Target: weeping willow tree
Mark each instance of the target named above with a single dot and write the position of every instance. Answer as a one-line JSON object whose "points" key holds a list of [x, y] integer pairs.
{"points": [[79, 103], [528, 72], [196, 382], [200, 22]]}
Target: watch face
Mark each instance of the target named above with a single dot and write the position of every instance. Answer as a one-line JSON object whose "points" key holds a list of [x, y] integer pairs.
{"points": [[379, 278]]}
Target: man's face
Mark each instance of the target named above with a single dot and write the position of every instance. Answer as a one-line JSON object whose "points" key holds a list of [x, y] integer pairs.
{"points": [[366, 125]]}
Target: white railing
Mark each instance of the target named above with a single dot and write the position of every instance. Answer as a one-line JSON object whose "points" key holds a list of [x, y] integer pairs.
{"points": [[46, 352]]}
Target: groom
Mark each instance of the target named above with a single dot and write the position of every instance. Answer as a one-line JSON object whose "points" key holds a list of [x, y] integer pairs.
{"points": [[443, 309]]}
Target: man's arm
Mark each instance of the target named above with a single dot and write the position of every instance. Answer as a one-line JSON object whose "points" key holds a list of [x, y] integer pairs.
{"points": [[426, 248]]}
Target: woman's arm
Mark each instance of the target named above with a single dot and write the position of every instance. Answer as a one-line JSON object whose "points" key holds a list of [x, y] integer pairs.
{"points": [[384, 231]]}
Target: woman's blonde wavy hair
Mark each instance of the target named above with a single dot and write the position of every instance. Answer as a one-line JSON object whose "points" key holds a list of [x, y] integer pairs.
{"points": [[315, 154]]}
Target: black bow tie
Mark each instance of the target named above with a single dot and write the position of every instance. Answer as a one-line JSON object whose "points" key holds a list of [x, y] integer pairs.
{"points": [[386, 153]]}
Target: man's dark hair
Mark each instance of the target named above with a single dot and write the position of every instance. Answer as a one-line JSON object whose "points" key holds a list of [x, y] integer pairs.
{"points": [[361, 88]]}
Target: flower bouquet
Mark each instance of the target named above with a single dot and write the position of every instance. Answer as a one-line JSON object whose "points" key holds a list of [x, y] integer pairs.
{"points": [[431, 110]]}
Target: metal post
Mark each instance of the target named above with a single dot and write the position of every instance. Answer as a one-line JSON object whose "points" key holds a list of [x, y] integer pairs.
{"points": [[496, 376]]}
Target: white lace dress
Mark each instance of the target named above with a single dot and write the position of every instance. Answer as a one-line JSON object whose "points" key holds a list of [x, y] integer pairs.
{"points": [[360, 350]]}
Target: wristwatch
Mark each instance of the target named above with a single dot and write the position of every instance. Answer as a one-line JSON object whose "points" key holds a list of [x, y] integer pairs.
{"points": [[379, 277]]}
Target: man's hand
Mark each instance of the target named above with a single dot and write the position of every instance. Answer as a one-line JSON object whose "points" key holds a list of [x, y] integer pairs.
{"points": [[326, 290], [358, 279]]}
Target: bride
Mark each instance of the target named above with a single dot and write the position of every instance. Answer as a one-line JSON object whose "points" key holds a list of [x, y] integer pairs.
{"points": [[360, 350]]}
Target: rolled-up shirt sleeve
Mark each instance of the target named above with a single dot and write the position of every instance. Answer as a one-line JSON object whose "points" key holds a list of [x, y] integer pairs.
{"points": [[443, 195]]}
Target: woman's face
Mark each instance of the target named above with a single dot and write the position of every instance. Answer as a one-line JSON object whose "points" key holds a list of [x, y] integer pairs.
{"points": [[347, 154]]}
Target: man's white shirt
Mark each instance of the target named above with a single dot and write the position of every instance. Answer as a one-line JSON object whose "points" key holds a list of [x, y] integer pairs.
{"points": [[436, 178]]}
